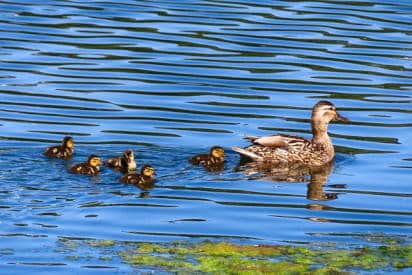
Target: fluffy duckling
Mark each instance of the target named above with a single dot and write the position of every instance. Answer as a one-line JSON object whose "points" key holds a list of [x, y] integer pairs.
{"points": [[215, 158], [144, 180], [64, 151], [91, 167], [125, 163]]}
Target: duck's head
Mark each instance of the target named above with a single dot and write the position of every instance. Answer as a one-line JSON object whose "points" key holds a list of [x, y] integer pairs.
{"points": [[217, 152], [68, 142], [147, 171], [324, 111], [129, 156], [93, 160]]}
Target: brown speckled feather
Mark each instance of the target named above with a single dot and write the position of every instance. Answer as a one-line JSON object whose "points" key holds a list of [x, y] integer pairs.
{"points": [[118, 163], [143, 182], [114, 162], [124, 163], [59, 152], [84, 168], [298, 151], [209, 162], [289, 150], [205, 159]]}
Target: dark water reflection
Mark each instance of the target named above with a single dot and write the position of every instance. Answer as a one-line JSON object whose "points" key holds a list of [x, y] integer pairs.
{"points": [[316, 177], [172, 78]]}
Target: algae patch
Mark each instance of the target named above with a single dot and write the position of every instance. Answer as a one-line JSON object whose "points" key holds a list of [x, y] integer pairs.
{"points": [[235, 258], [223, 257], [101, 243]]}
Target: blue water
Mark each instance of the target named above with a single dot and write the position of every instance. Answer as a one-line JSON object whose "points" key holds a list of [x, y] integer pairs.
{"points": [[169, 79]]}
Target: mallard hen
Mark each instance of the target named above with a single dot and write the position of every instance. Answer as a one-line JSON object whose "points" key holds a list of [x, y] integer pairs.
{"points": [[285, 150]]}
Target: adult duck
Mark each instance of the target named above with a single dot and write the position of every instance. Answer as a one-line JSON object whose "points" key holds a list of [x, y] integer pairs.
{"points": [[285, 150]]}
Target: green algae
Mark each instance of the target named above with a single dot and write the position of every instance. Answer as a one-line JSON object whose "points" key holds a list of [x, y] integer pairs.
{"points": [[101, 243], [234, 258], [230, 258]]}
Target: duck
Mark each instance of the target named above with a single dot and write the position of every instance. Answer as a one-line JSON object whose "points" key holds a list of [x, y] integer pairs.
{"points": [[64, 151], [287, 150], [125, 163], [212, 161], [145, 180], [91, 167]]}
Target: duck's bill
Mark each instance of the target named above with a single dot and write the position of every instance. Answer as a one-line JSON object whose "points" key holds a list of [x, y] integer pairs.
{"points": [[338, 117]]}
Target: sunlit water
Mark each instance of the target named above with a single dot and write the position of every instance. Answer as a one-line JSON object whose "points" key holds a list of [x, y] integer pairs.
{"points": [[169, 79]]}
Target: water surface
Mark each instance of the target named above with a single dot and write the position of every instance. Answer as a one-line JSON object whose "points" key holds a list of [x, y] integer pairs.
{"points": [[170, 79]]}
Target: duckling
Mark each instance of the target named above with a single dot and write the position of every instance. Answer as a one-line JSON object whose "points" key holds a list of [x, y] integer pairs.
{"points": [[91, 167], [64, 151], [124, 163], [215, 158], [145, 180], [287, 150]]}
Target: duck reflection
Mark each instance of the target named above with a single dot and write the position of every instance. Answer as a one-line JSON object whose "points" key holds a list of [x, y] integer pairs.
{"points": [[144, 195], [316, 176], [145, 186]]}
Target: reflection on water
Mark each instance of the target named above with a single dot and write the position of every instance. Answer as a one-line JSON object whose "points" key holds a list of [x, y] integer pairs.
{"points": [[295, 173], [169, 79], [317, 180]]}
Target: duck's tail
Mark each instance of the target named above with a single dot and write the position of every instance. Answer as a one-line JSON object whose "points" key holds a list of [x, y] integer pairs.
{"points": [[246, 153]]}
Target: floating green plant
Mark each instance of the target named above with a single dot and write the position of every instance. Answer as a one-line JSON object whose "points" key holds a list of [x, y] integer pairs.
{"points": [[101, 243], [223, 257], [383, 254]]}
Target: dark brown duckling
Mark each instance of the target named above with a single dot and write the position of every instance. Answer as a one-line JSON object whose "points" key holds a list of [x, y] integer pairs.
{"points": [[145, 180], [124, 163], [64, 151], [215, 159], [91, 167]]}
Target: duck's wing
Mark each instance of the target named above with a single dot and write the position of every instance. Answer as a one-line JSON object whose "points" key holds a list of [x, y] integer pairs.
{"points": [[113, 162], [248, 153], [286, 142], [279, 148], [80, 168], [56, 152], [277, 141], [199, 159]]}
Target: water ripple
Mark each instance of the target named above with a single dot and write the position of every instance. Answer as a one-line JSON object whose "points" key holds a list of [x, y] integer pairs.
{"points": [[169, 79]]}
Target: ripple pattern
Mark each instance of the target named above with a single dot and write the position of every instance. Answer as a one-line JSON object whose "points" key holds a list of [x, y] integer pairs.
{"points": [[171, 78]]}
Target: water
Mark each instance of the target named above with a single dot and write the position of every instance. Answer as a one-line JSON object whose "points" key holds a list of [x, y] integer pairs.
{"points": [[169, 79]]}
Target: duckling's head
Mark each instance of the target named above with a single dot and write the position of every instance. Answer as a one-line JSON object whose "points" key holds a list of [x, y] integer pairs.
{"points": [[68, 142], [217, 152], [324, 111], [147, 171], [93, 160], [129, 155]]}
